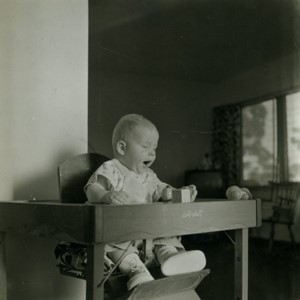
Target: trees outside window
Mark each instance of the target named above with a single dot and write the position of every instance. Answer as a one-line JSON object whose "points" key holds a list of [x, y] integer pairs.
{"points": [[271, 141]]}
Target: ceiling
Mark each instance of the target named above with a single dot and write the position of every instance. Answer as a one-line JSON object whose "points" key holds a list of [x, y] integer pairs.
{"points": [[196, 40]]}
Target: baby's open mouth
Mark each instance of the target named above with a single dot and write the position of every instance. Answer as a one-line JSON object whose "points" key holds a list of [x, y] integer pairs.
{"points": [[147, 162]]}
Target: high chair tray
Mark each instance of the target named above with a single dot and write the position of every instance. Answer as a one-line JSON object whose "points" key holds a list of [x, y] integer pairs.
{"points": [[174, 287]]}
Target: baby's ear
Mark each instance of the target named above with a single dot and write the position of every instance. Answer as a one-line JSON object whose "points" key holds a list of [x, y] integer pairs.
{"points": [[121, 147]]}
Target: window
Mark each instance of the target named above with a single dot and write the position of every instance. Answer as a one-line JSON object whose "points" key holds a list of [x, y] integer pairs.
{"points": [[293, 135], [271, 141], [259, 142]]}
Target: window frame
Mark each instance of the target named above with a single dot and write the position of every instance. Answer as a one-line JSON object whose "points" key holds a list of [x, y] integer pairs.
{"points": [[282, 134]]}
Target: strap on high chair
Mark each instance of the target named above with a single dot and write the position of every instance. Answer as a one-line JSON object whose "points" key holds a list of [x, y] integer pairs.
{"points": [[148, 249], [101, 283]]}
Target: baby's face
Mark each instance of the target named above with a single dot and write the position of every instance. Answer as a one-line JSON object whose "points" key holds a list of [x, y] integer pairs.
{"points": [[140, 149]]}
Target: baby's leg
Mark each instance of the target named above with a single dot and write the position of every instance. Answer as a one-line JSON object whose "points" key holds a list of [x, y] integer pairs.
{"points": [[175, 260], [131, 265]]}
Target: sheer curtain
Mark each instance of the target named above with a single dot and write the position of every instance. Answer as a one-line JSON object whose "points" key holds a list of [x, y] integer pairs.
{"points": [[259, 143], [293, 135]]}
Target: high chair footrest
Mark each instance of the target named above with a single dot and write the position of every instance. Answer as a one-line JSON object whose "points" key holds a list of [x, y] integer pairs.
{"points": [[174, 287]]}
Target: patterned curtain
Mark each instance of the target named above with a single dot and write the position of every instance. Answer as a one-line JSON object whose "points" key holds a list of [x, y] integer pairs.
{"points": [[226, 143]]}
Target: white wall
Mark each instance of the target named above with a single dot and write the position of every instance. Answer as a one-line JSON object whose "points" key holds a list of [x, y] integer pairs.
{"points": [[43, 120]]}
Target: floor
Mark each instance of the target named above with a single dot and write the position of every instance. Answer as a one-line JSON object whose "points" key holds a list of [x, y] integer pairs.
{"points": [[274, 276]]}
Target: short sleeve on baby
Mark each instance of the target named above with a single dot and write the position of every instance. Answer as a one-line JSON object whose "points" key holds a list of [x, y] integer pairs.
{"points": [[106, 176]]}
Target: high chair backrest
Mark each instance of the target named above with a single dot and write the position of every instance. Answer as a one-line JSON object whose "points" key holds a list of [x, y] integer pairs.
{"points": [[74, 173]]}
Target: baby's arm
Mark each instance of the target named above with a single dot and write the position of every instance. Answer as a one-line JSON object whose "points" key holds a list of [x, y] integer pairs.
{"points": [[96, 194], [101, 187], [193, 191], [164, 191]]}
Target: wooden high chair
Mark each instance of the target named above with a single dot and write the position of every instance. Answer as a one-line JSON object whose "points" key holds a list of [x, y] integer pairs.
{"points": [[86, 224], [73, 175]]}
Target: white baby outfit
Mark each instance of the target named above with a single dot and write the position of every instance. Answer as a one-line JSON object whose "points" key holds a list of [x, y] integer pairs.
{"points": [[144, 188]]}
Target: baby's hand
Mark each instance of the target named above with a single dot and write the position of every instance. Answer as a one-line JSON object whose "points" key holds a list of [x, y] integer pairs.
{"points": [[193, 191], [120, 197], [166, 194]]}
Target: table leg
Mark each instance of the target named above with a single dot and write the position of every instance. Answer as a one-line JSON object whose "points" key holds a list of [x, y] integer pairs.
{"points": [[95, 271], [3, 280], [241, 265]]}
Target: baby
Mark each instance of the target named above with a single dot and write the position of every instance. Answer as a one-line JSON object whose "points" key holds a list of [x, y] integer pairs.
{"points": [[128, 179]]}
